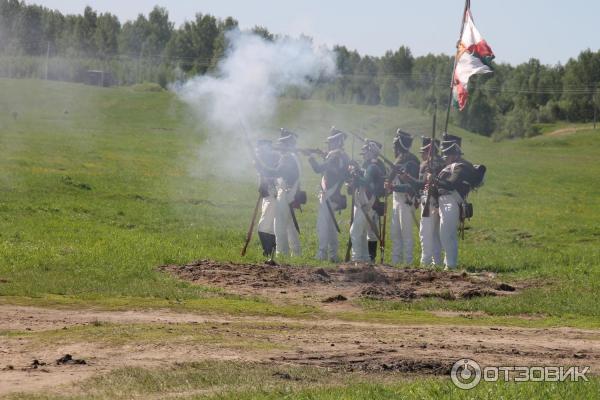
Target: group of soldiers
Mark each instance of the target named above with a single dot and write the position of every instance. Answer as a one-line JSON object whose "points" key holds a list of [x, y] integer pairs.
{"points": [[438, 183]]}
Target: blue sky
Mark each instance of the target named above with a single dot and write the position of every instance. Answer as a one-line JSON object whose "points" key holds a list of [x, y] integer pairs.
{"points": [[550, 30]]}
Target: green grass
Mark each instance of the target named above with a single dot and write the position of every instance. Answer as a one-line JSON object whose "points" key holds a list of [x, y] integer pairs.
{"points": [[100, 186], [234, 380]]}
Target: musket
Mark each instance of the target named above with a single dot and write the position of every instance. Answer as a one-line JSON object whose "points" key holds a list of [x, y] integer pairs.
{"points": [[349, 246], [294, 219], [258, 202], [426, 211], [332, 214], [309, 152], [365, 140], [370, 222], [384, 228], [252, 222]]}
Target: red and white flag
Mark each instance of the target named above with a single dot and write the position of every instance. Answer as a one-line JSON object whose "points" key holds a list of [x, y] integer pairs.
{"points": [[474, 57]]}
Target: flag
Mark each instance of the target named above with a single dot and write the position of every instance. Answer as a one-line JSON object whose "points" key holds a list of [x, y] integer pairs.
{"points": [[474, 57]]}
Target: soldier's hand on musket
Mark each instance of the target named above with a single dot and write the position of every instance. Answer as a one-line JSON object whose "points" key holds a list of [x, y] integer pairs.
{"points": [[389, 187]]}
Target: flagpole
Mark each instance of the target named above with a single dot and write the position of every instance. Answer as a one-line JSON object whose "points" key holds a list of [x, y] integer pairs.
{"points": [[462, 28]]}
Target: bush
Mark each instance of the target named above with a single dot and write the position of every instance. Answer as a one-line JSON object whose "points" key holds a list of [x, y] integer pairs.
{"points": [[549, 113], [390, 93], [517, 124]]}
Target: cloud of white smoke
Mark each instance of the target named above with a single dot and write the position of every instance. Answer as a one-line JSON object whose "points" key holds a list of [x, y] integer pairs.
{"points": [[245, 88]]}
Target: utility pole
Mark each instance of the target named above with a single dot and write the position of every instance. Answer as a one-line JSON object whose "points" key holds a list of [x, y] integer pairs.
{"points": [[47, 60], [595, 104], [139, 71]]}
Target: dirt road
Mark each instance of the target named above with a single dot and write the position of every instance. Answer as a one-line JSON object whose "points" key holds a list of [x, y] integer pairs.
{"points": [[356, 346]]}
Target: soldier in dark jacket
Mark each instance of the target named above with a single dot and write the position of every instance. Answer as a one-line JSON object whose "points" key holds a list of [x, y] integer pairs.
{"points": [[334, 169], [266, 161], [367, 183], [429, 229], [453, 184], [406, 170], [288, 185]]}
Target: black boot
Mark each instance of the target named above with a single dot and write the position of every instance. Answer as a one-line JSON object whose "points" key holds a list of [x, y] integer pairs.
{"points": [[265, 242], [272, 247], [373, 250], [268, 243]]}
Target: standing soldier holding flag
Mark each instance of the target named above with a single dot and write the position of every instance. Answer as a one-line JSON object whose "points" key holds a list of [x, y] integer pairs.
{"points": [[334, 169], [473, 57]]}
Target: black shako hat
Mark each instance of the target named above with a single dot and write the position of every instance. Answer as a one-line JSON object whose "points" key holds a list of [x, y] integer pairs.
{"points": [[451, 144], [371, 146], [287, 139], [403, 140], [336, 135], [426, 143]]}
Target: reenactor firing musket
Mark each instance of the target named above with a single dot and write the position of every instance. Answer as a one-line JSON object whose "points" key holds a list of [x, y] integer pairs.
{"points": [[333, 168], [265, 160]]}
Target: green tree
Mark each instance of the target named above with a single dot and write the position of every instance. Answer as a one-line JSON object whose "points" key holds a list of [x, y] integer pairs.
{"points": [[263, 32], [107, 32], [133, 36], [85, 32], [221, 42], [194, 43], [578, 86], [158, 31], [30, 30]]}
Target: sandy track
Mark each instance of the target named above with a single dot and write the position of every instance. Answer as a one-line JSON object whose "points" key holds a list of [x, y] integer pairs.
{"points": [[336, 344]]}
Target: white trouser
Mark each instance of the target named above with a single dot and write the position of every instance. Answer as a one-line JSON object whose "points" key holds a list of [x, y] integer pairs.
{"points": [[328, 235], [360, 231], [402, 230], [429, 232], [449, 221], [286, 235], [266, 223]]}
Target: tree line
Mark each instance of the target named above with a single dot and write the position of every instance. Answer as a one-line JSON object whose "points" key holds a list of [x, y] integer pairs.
{"points": [[38, 42]]}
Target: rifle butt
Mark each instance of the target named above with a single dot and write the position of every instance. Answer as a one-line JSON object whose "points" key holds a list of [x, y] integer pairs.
{"points": [[251, 228]]}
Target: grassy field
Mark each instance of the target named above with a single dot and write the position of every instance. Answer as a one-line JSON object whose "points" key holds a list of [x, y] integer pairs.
{"points": [[99, 186]]}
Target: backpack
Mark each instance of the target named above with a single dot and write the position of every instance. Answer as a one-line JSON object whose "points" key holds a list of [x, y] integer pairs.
{"points": [[478, 176]]}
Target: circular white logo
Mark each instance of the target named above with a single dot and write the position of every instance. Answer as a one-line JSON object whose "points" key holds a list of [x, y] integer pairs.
{"points": [[466, 374]]}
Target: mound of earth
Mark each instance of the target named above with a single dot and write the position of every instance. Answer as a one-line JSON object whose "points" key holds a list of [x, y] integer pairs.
{"points": [[335, 285]]}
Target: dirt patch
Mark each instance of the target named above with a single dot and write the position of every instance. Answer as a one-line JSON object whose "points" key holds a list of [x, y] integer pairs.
{"points": [[345, 282], [378, 361], [566, 131]]}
